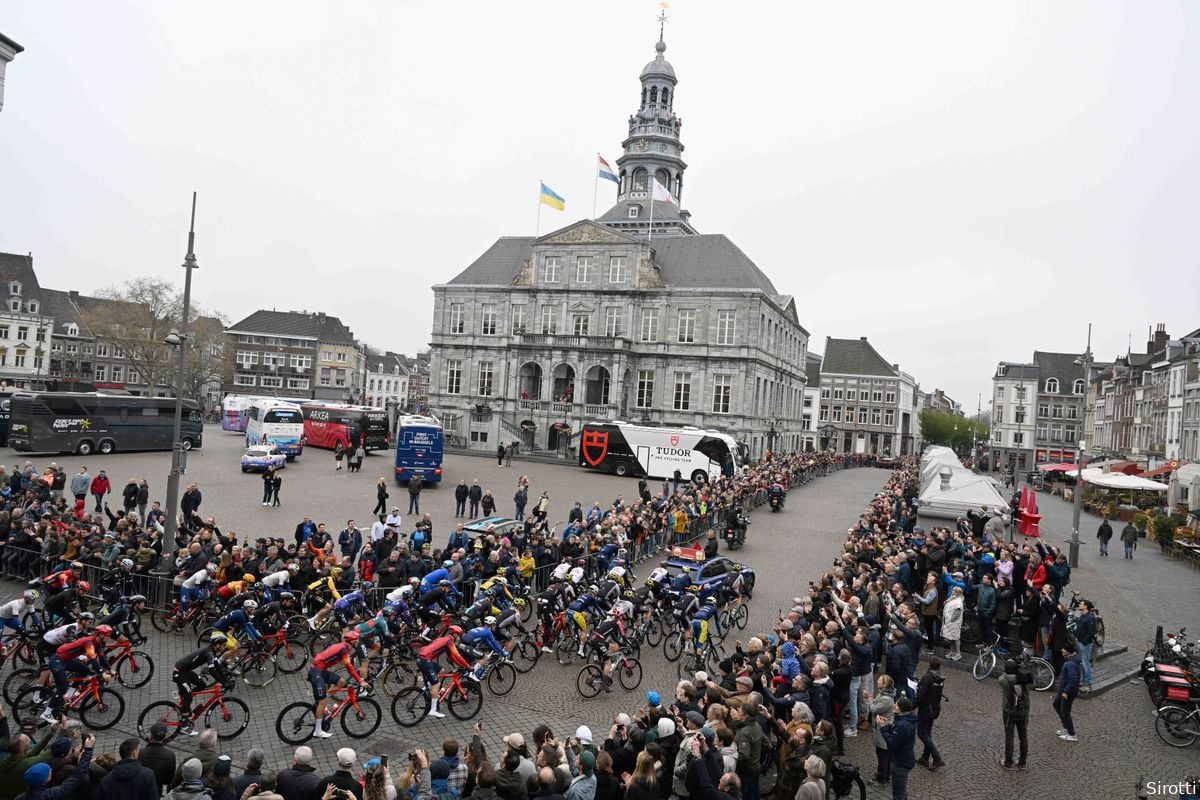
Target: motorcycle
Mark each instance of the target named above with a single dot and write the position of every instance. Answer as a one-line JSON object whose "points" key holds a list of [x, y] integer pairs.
{"points": [[776, 502], [735, 532]]}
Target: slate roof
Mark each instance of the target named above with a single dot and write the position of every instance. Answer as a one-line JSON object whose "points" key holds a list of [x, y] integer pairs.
{"points": [[812, 369], [700, 261], [19, 267], [1019, 372], [1058, 365], [321, 327], [58, 305], [854, 357]]}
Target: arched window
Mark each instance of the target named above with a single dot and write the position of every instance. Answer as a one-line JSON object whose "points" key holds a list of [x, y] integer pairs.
{"points": [[639, 180], [666, 94], [1078, 387], [643, 95], [664, 179], [653, 95], [1052, 385]]}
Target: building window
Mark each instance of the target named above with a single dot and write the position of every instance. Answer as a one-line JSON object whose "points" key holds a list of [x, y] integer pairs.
{"points": [[889, 418], [3, 331], [1069, 434], [551, 268], [722, 392], [1018, 439], [1057, 411], [19, 358], [270, 381], [101, 348], [999, 414], [118, 373], [325, 376], [584, 269], [14, 287], [1052, 385], [453, 376], [862, 416], [32, 306], [37, 362], [101, 374], [239, 379], [1043, 409], [616, 269], [645, 388], [457, 325], [486, 370], [837, 413], [1042, 432], [1019, 416], [1072, 412], [580, 324], [877, 396], [245, 358], [273, 359], [633, 212], [22, 333], [612, 322], [726, 320], [300, 362], [875, 416], [341, 357], [479, 436], [998, 436], [548, 322], [40, 335], [518, 319], [687, 326], [682, 398], [825, 393], [72, 329], [1077, 387], [823, 414], [649, 324], [489, 321], [999, 391], [56, 347], [297, 383]]}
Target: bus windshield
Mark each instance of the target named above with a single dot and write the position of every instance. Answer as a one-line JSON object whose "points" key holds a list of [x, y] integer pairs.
{"points": [[282, 415]]}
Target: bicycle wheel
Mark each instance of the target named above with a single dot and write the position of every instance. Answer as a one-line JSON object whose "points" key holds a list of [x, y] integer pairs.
{"points": [[629, 673], [30, 702], [1099, 641], [673, 646], [654, 632], [322, 639], [294, 724], [25, 654], [164, 619], [135, 669], [102, 714], [526, 612], [501, 679], [567, 650], [228, 717], [258, 669], [410, 706], [466, 704], [202, 637], [742, 617], [163, 711], [291, 656], [361, 722], [590, 681], [985, 662], [526, 656], [1043, 674], [396, 678], [1176, 726], [18, 681]]}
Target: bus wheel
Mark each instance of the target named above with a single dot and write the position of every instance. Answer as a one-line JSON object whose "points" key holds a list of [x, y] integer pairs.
{"points": [[699, 477], [186, 443], [84, 448], [107, 446], [621, 469]]}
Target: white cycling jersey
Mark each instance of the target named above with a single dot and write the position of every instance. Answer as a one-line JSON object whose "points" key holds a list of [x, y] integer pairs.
{"points": [[560, 571], [277, 580], [61, 635], [14, 608], [198, 579]]}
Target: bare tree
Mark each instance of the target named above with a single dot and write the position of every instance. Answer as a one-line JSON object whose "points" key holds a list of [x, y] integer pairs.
{"points": [[206, 342]]}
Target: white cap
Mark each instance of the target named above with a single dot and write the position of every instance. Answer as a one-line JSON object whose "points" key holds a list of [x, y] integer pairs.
{"points": [[584, 734]]}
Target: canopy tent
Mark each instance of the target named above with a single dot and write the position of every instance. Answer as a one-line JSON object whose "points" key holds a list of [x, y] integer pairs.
{"points": [[1088, 472], [1170, 466], [1114, 480], [1189, 481], [966, 491], [1057, 467]]}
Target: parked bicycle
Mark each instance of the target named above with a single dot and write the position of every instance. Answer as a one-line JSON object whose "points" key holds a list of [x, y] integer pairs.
{"points": [[1073, 618]]}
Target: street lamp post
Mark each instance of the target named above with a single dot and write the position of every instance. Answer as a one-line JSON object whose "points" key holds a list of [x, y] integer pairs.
{"points": [[178, 455], [1080, 462], [1020, 414]]}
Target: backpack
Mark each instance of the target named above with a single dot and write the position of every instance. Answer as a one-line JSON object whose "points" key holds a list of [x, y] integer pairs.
{"points": [[440, 789]]}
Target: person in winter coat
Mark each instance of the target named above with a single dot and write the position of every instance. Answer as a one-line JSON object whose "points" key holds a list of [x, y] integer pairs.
{"points": [[157, 757], [750, 740], [460, 499], [37, 776], [813, 787], [1030, 608], [952, 617], [929, 708], [129, 780], [643, 785], [901, 737], [488, 503], [100, 487], [520, 500], [1068, 689], [381, 496], [882, 706], [985, 606], [1104, 533], [474, 494], [80, 484], [191, 784], [896, 662], [129, 495], [1014, 712], [1129, 537], [300, 780], [1004, 614]]}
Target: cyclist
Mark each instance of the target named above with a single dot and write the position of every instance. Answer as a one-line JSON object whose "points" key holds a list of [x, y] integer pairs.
{"points": [[239, 621], [10, 612], [508, 627], [607, 591], [117, 583], [706, 619], [280, 581], [473, 614], [186, 675], [578, 611], [272, 616], [475, 640], [77, 656], [65, 604], [436, 601], [605, 642], [427, 658], [324, 589], [57, 581], [398, 599], [431, 579], [126, 618], [372, 633], [196, 586], [551, 601], [351, 606], [231, 589], [321, 675], [685, 606]]}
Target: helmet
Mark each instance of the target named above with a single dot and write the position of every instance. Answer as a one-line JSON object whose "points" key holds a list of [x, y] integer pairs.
{"points": [[247, 578], [593, 588], [31, 594], [87, 616], [127, 563], [135, 599], [210, 567], [444, 583], [350, 635], [489, 620], [77, 565], [335, 571], [617, 612], [447, 563], [293, 568], [250, 605], [581, 562], [414, 581], [367, 586], [629, 594], [84, 586], [389, 611], [500, 579], [454, 630], [710, 601], [104, 630], [406, 591], [286, 596], [651, 582], [216, 637]]}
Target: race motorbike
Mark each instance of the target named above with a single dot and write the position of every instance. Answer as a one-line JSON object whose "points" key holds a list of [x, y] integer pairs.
{"points": [[776, 502], [735, 531]]}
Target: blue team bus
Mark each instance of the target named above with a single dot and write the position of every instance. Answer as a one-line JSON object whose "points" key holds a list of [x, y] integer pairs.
{"points": [[418, 448]]}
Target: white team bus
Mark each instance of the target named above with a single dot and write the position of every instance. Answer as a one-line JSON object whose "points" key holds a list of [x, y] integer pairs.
{"points": [[275, 423], [643, 451]]}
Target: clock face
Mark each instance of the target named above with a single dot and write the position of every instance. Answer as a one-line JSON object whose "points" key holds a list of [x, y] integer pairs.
{"points": [[640, 145]]}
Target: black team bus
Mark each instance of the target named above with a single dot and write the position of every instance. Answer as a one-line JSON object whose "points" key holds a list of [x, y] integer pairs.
{"points": [[643, 451], [84, 423], [328, 425], [5, 405]]}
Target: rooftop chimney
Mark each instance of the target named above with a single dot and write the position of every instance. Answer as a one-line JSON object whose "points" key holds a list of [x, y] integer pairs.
{"points": [[862, 338], [1160, 338]]}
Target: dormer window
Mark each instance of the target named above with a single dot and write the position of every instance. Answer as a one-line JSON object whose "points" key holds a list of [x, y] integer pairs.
{"points": [[15, 304], [1052, 385], [1078, 387], [634, 211], [1000, 370], [33, 306], [14, 287]]}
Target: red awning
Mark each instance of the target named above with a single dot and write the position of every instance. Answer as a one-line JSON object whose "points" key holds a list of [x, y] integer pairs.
{"points": [[1170, 466]]}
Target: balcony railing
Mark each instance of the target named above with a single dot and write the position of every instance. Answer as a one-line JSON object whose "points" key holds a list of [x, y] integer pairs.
{"points": [[571, 341]]}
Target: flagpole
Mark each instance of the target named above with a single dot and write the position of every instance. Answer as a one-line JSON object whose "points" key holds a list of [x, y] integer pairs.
{"points": [[595, 186], [538, 231], [650, 238]]}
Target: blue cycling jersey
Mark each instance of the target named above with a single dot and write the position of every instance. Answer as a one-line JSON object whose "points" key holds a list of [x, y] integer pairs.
{"points": [[482, 636], [348, 601], [239, 621], [585, 602], [431, 580]]}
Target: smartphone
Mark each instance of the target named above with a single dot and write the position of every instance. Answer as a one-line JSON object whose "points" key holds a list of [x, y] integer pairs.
{"points": [[383, 760]]}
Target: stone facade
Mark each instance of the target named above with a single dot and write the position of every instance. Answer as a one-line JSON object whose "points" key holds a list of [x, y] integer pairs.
{"points": [[867, 404]]}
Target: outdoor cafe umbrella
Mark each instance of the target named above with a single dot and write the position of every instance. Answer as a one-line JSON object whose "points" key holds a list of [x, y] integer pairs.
{"points": [[1173, 491], [1194, 493]]}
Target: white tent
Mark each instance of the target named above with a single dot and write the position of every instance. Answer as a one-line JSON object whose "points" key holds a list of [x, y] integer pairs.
{"points": [[966, 491], [1116, 480]]}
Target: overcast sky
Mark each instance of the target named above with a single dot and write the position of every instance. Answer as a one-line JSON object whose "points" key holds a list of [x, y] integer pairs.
{"points": [[960, 183]]}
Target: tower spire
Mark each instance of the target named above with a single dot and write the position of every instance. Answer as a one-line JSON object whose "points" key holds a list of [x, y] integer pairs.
{"points": [[662, 18]]}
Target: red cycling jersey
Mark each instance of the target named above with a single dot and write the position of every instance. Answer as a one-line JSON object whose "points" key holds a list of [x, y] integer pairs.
{"points": [[333, 655], [84, 646], [60, 580], [443, 644]]}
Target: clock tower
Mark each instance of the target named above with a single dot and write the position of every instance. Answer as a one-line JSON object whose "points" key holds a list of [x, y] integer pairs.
{"points": [[652, 149]]}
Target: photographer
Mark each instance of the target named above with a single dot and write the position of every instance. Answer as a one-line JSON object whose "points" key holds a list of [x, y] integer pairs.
{"points": [[341, 784]]}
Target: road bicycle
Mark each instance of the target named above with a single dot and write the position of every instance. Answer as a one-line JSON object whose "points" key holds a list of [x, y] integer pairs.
{"points": [[527, 651], [985, 662], [228, 716], [133, 668], [1178, 726], [20, 647], [98, 706], [391, 674], [459, 694], [174, 618], [736, 615], [711, 654], [591, 679], [360, 715], [499, 675]]}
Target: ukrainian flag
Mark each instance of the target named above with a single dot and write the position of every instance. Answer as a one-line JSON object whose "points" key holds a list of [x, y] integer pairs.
{"points": [[551, 199]]}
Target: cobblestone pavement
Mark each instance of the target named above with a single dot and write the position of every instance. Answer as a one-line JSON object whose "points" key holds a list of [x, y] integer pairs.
{"points": [[1117, 745]]}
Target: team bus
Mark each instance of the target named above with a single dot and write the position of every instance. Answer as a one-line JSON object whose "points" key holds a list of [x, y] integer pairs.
{"points": [[418, 448], [275, 423], [235, 409], [642, 451], [5, 405], [79, 422], [327, 425]]}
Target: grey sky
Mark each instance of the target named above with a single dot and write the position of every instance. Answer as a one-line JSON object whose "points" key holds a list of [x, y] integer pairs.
{"points": [[960, 183]]}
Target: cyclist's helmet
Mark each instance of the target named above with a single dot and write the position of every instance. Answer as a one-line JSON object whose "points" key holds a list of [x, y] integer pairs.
{"points": [[405, 592], [286, 597], [87, 616], [489, 620], [77, 566], [84, 586], [629, 594], [104, 630], [335, 571], [367, 586], [210, 567], [293, 568], [593, 588], [711, 601], [454, 630], [389, 611], [216, 637], [248, 578], [500, 579], [250, 605], [651, 582], [444, 583], [127, 563], [617, 612], [350, 635], [133, 600], [447, 563], [581, 562], [31, 595], [414, 582]]}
